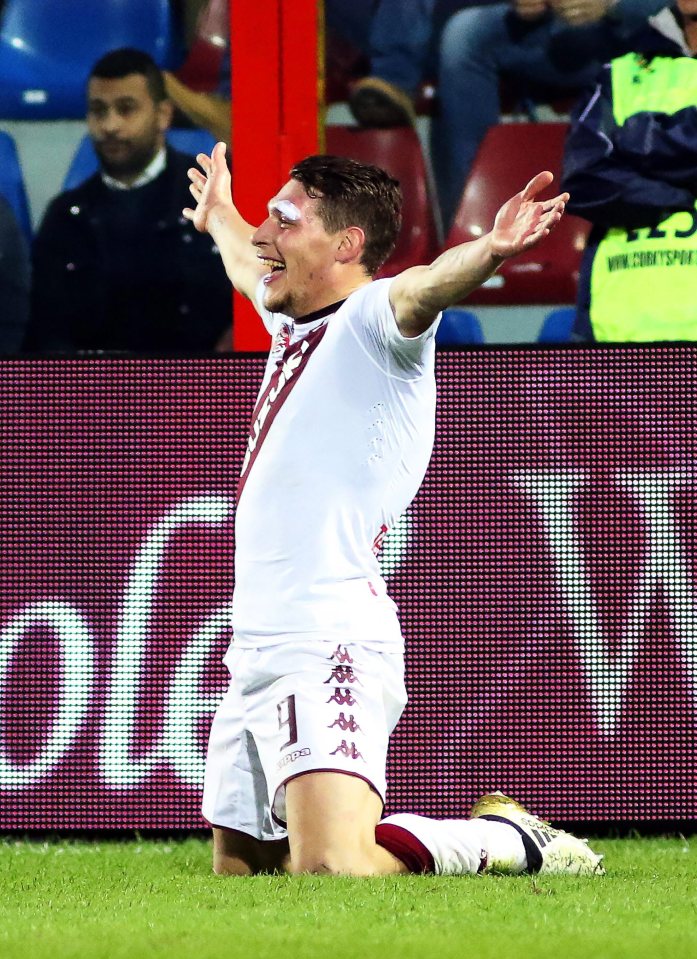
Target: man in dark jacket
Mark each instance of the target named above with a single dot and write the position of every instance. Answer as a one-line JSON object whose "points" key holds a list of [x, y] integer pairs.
{"points": [[116, 265], [630, 166], [14, 281]]}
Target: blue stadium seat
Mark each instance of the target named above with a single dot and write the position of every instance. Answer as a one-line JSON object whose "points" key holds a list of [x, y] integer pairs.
{"points": [[459, 327], [12, 183], [84, 163], [47, 48], [191, 140], [557, 326]]}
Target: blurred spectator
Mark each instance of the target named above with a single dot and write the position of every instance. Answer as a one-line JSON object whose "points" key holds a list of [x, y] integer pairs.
{"points": [[200, 104], [116, 265], [400, 40], [14, 281], [557, 47], [211, 111], [553, 45], [631, 168]]}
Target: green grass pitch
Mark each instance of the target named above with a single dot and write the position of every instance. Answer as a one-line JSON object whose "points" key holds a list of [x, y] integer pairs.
{"points": [[159, 899]]}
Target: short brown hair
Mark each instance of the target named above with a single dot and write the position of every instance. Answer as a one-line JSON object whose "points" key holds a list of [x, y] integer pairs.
{"points": [[355, 194]]}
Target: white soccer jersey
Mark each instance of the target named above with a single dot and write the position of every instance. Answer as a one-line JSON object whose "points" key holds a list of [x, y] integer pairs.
{"points": [[341, 436]]}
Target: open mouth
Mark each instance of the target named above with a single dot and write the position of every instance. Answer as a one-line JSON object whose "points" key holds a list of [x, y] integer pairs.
{"points": [[274, 267]]}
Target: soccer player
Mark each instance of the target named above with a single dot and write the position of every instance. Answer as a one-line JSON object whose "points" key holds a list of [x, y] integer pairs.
{"points": [[340, 439]]}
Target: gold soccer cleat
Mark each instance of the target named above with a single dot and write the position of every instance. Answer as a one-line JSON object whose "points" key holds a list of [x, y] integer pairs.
{"points": [[547, 849]]}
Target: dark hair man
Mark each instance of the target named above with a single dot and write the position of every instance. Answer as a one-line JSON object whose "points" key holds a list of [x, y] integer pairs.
{"points": [[116, 265], [340, 440]]}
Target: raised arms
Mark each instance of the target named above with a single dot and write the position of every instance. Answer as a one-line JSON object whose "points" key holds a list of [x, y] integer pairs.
{"points": [[420, 293], [216, 214]]}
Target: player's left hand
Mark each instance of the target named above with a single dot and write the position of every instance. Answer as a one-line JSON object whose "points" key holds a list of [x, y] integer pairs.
{"points": [[523, 220]]}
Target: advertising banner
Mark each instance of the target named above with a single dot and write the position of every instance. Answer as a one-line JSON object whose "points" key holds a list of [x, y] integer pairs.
{"points": [[546, 576]]}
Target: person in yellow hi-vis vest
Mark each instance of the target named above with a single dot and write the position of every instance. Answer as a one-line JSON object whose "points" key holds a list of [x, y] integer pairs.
{"points": [[630, 165]]}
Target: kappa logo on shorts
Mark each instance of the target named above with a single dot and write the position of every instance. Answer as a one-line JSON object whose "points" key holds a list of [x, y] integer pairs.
{"points": [[342, 675], [343, 723], [342, 697], [341, 655], [349, 751], [291, 757]]}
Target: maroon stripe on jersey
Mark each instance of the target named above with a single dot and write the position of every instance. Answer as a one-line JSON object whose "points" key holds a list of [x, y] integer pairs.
{"points": [[283, 379]]}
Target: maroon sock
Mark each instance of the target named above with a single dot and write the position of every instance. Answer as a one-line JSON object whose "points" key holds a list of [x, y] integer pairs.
{"points": [[405, 847]]}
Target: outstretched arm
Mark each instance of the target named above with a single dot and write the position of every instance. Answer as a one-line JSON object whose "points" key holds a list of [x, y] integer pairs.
{"points": [[420, 293], [216, 214]]}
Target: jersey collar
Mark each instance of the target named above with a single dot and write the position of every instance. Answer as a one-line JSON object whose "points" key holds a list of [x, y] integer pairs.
{"points": [[318, 314]]}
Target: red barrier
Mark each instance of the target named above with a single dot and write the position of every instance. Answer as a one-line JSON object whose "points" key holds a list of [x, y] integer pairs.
{"points": [[276, 93], [546, 576]]}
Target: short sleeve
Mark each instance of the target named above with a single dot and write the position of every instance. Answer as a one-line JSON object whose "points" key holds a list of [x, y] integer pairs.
{"points": [[373, 321]]}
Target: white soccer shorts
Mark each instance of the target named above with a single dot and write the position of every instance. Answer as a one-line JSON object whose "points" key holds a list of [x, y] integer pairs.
{"points": [[292, 709]]}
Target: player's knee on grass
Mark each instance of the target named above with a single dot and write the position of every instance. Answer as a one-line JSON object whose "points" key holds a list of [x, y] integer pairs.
{"points": [[233, 853], [236, 854], [331, 824], [229, 866], [345, 856], [330, 863]]}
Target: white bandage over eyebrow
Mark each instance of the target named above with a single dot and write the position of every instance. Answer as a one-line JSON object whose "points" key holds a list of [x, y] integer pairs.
{"points": [[287, 209]]}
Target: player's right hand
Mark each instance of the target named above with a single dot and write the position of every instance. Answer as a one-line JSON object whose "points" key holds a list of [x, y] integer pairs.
{"points": [[210, 189]]}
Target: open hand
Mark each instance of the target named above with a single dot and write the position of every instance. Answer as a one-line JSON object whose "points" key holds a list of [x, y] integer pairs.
{"points": [[523, 221], [210, 189]]}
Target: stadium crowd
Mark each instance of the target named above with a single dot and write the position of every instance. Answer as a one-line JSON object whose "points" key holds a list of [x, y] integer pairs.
{"points": [[112, 266]]}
